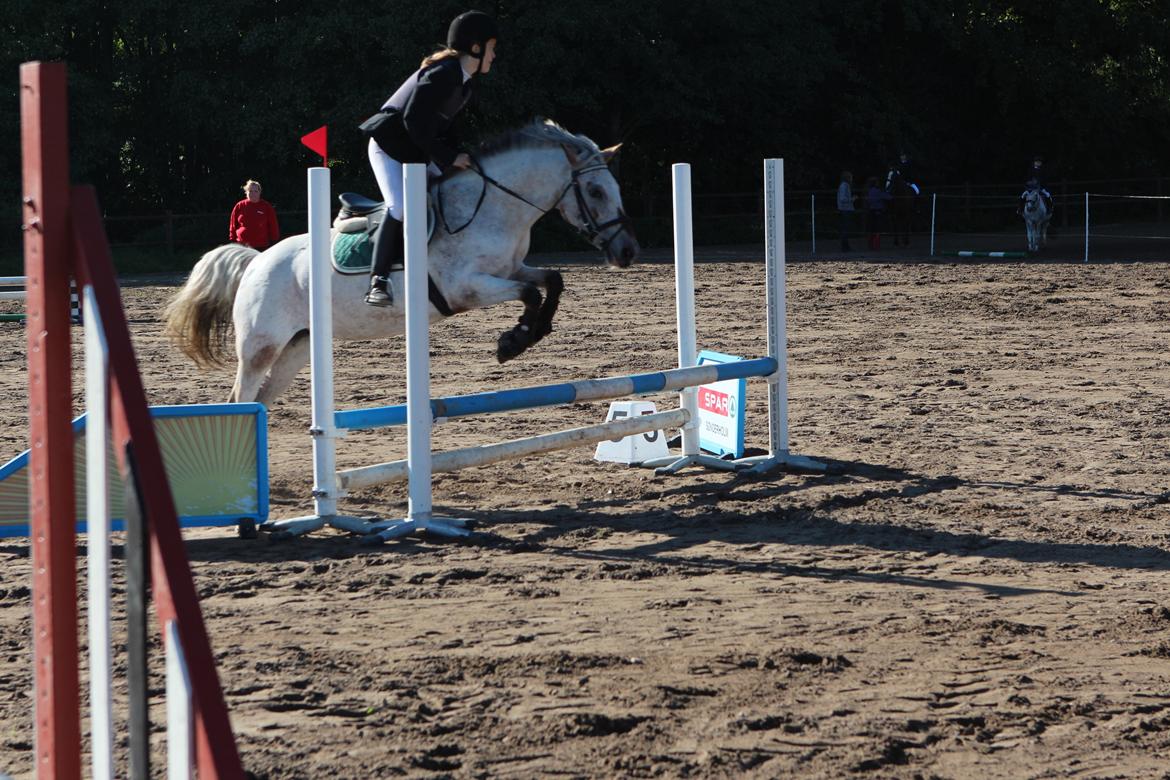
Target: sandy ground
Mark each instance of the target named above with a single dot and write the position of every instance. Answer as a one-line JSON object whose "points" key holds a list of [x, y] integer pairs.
{"points": [[980, 590]]}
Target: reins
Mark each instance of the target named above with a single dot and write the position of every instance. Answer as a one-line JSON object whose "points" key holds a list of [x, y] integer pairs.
{"points": [[594, 229]]}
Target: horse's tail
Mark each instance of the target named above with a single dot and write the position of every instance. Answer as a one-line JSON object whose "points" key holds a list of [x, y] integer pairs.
{"points": [[198, 318]]}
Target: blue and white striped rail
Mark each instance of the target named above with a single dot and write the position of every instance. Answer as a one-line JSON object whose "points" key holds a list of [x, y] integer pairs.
{"points": [[566, 393]]}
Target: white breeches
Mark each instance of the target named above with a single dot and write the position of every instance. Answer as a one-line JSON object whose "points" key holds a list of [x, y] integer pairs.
{"points": [[388, 172]]}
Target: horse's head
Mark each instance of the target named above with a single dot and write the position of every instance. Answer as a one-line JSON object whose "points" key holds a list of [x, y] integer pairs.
{"points": [[1032, 199], [594, 204]]}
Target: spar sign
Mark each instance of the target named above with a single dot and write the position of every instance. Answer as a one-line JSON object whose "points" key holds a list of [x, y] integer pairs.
{"points": [[721, 410]]}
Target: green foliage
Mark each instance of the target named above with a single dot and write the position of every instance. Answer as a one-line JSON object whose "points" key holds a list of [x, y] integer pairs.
{"points": [[174, 105]]}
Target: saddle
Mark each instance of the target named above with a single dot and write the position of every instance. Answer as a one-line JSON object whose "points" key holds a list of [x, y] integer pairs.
{"points": [[355, 225]]}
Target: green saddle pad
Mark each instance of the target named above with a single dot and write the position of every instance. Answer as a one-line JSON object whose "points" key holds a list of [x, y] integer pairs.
{"points": [[353, 253]]}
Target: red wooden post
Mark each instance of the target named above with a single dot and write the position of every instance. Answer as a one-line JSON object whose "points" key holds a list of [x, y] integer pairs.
{"points": [[45, 150]]}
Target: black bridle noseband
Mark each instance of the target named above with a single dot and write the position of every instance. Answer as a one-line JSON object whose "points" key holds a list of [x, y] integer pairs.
{"points": [[592, 230]]}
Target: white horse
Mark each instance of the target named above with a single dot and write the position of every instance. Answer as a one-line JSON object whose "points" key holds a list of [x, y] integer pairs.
{"points": [[1036, 219], [522, 176]]}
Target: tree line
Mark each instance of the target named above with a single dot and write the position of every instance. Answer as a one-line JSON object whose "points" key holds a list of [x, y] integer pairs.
{"points": [[174, 105]]}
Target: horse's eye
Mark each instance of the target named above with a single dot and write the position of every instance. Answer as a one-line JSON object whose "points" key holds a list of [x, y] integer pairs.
{"points": [[596, 192]]}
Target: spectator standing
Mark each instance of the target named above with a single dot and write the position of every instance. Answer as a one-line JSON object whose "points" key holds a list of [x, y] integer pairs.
{"points": [[875, 203], [253, 220], [845, 201], [905, 168]]}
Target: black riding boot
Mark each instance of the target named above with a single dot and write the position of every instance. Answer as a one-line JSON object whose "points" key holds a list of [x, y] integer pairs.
{"points": [[387, 259]]}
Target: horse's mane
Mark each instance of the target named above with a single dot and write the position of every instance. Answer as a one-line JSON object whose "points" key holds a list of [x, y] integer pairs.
{"points": [[538, 133]]}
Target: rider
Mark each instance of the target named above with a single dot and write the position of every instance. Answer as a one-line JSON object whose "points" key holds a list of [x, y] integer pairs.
{"points": [[905, 168], [1035, 181], [902, 169], [414, 125]]}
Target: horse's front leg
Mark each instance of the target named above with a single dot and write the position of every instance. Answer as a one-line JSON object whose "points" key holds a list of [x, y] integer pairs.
{"points": [[553, 284], [480, 290]]}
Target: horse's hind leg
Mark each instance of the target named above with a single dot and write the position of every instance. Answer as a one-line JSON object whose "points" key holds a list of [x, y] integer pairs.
{"points": [[267, 371], [292, 359], [250, 371]]}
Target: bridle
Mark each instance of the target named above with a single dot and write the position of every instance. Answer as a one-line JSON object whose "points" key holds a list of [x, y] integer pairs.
{"points": [[592, 229]]}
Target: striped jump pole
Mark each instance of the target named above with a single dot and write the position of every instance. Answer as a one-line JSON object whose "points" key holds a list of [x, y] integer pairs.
{"points": [[559, 394]]}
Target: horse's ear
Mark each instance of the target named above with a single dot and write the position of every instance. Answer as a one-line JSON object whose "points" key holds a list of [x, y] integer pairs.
{"points": [[573, 153], [610, 154]]}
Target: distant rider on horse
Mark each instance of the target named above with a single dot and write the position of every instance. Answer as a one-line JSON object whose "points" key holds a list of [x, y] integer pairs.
{"points": [[1035, 182], [414, 126], [903, 169]]}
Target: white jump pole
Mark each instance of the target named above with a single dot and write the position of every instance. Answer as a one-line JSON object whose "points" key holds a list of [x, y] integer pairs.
{"points": [[323, 428], [97, 532], [419, 418], [775, 262], [813, 206], [1086, 227], [684, 291], [455, 460], [933, 207], [180, 707], [418, 365], [321, 346]]}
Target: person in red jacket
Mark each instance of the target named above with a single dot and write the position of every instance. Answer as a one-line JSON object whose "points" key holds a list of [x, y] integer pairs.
{"points": [[253, 221]]}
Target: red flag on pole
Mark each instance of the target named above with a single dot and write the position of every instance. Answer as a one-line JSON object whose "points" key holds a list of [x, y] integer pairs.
{"points": [[318, 141]]}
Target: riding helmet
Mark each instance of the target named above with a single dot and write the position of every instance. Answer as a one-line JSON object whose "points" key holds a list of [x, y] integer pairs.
{"points": [[471, 28]]}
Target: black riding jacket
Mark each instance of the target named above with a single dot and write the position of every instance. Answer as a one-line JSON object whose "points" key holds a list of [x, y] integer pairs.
{"points": [[1037, 174], [423, 111]]}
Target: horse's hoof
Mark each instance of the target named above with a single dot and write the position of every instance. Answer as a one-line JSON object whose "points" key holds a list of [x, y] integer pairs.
{"points": [[510, 345]]}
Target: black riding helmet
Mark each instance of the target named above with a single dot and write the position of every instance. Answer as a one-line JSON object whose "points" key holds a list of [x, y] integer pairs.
{"points": [[469, 29]]}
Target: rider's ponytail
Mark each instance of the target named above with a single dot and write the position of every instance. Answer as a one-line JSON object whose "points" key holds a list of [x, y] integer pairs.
{"points": [[441, 54]]}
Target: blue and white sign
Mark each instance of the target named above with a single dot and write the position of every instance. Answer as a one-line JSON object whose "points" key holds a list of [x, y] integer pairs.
{"points": [[721, 410]]}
